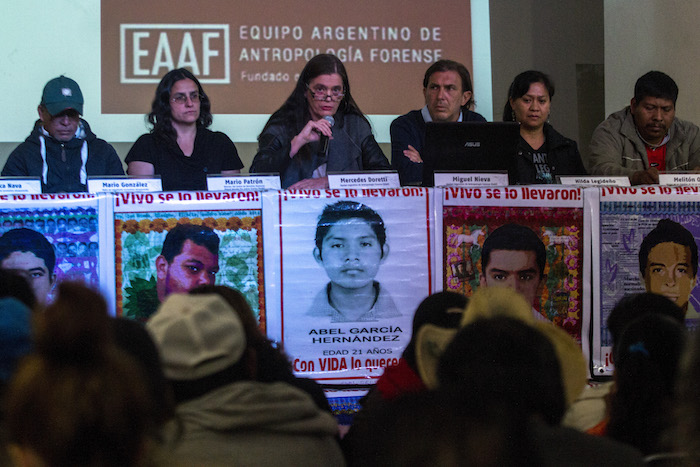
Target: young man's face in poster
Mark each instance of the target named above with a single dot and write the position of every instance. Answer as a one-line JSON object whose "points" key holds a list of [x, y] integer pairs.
{"points": [[34, 269], [669, 272], [351, 254], [514, 269], [193, 267]]}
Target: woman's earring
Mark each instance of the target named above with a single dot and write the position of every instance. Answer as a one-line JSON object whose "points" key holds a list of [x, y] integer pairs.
{"points": [[512, 113]]}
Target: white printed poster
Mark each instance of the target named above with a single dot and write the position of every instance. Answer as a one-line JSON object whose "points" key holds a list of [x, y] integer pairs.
{"points": [[352, 267]]}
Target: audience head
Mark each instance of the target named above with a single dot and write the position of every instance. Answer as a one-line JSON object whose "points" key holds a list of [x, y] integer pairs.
{"points": [[15, 335], [528, 87], [633, 306], [28, 252], [513, 256], [447, 88], [503, 359], [431, 428], [131, 337], [491, 302], [271, 363], [14, 283], [60, 108], [646, 365], [443, 309], [202, 344], [687, 432], [170, 98], [77, 399]]}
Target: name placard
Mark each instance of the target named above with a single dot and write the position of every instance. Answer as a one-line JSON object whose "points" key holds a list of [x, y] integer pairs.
{"points": [[244, 182], [594, 180], [690, 179], [20, 185], [374, 179], [468, 179], [124, 184]]}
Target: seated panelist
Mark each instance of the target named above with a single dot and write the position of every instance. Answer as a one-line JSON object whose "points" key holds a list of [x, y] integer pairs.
{"points": [[543, 153], [62, 149], [180, 148], [319, 129], [646, 138], [447, 89]]}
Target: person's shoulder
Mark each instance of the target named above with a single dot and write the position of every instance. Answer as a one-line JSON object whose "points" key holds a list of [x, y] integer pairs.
{"points": [[411, 118], [616, 119], [556, 138], [686, 128], [471, 116]]}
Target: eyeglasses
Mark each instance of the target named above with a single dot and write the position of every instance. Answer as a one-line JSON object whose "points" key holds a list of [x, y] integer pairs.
{"points": [[322, 93], [182, 98]]}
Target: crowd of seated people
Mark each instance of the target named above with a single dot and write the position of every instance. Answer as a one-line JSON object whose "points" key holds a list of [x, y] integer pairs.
{"points": [[320, 128], [482, 382]]}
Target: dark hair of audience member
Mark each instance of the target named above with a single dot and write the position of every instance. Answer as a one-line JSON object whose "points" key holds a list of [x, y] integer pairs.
{"points": [[77, 399], [633, 306], [429, 428], [686, 433], [133, 338], [14, 283], [646, 365], [434, 309], [503, 360], [269, 364]]}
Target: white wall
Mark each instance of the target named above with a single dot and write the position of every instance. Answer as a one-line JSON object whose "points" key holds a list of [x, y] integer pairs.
{"points": [[643, 35]]}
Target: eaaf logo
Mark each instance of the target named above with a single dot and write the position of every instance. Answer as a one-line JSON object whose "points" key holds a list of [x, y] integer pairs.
{"points": [[148, 51]]}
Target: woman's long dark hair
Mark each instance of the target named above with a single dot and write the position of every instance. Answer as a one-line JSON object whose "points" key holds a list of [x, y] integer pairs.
{"points": [[519, 87], [161, 117], [294, 113]]}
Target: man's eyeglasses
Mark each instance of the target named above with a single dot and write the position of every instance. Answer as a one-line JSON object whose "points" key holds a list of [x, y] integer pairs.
{"points": [[182, 98], [322, 93]]}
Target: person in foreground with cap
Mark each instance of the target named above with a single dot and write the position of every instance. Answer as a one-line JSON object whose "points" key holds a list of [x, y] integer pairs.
{"points": [[224, 416], [62, 149]]}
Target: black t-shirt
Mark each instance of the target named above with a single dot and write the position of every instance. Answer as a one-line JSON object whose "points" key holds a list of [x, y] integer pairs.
{"points": [[213, 153], [533, 164]]}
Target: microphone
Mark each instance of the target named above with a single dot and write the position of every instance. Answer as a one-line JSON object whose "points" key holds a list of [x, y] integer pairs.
{"points": [[324, 138]]}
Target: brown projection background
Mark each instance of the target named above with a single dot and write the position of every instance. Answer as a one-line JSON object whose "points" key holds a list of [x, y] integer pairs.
{"points": [[385, 46]]}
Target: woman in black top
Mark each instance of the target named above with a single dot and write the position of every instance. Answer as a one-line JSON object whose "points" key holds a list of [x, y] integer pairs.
{"points": [[180, 148], [543, 153]]}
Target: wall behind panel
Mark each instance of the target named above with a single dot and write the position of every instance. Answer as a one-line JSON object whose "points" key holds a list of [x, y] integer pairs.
{"points": [[553, 36], [643, 35]]}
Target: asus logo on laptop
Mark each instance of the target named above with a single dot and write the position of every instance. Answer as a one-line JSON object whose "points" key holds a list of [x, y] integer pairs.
{"points": [[472, 144]]}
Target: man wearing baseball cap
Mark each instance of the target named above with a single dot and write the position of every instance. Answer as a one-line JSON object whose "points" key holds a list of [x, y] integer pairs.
{"points": [[62, 149]]}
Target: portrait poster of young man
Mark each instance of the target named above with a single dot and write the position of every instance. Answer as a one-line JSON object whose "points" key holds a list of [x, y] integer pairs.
{"points": [[161, 250], [350, 274]]}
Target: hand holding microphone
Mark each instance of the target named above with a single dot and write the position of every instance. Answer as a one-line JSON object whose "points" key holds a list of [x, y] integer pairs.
{"points": [[319, 130]]}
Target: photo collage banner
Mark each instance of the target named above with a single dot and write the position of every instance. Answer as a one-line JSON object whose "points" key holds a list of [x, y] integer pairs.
{"points": [[334, 276]]}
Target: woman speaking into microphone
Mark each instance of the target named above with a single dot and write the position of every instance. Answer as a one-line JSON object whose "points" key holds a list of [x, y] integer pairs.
{"points": [[319, 129]]}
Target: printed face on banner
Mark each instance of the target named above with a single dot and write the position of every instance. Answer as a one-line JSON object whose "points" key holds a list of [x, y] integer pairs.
{"points": [[159, 253], [514, 269], [669, 272], [656, 239], [347, 302], [527, 237], [32, 244]]}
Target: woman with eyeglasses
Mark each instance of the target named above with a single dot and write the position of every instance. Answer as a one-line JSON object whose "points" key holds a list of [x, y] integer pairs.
{"points": [[180, 148], [319, 129]]}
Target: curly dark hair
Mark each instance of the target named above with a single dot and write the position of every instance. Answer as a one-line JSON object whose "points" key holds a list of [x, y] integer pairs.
{"points": [[161, 117], [294, 113]]}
